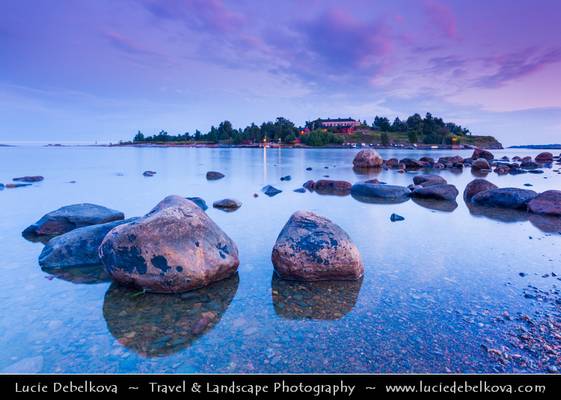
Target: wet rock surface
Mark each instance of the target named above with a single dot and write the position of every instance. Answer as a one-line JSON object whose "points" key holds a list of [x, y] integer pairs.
{"points": [[369, 192], [227, 204], [504, 198], [71, 217], [155, 325], [33, 178], [77, 248], [176, 247], [270, 191], [214, 175], [436, 192], [199, 201], [312, 248]]}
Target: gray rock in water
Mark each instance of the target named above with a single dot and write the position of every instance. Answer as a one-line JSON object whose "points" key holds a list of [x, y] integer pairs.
{"points": [[270, 190], [504, 198], [77, 248], [312, 248], [71, 217], [176, 247], [380, 193], [441, 191], [35, 178], [227, 204], [428, 179], [214, 175], [396, 218], [199, 201]]}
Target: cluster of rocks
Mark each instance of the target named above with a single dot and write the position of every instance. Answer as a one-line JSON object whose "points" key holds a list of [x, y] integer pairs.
{"points": [[481, 192], [176, 247], [481, 161]]}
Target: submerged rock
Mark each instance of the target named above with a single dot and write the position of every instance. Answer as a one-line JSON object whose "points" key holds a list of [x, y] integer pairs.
{"points": [[331, 187], [36, 178], [547, 203], [198, 201], [77, 248], [312, 248], [300, 190], [214, 175], [149, 173], [476, 186], [155, 325], [16, 185], [71, 217], [442, 191], [320, 300], [174, 248], [504, 198], [270, 190], [368, 158], [227, 204], [380, 193], [286, 178]]}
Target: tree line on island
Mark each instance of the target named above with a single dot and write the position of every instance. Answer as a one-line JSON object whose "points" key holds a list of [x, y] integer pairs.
{"points": [[427, 130]]}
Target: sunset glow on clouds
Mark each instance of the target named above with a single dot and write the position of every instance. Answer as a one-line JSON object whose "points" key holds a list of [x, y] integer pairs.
{"points": [[102, 69]]}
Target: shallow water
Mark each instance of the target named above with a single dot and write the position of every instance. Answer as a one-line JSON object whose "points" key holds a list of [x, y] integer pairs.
{"points": [[433, 288]]}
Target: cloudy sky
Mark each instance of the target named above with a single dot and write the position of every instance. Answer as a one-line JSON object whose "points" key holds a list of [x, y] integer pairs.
{"points": [[99, 70]]}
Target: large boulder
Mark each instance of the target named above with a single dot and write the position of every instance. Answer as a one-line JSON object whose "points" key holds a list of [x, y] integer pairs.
{"points": [[380, 193], [71, 217], [174, 248], [442, 191], [504, 198], [547, 203], [77, 248], [332, 187], [480, 153], [312, 248], [544, 158], [480, 164], [368, 158], [476, 186], [450, 160], [428, 180]]}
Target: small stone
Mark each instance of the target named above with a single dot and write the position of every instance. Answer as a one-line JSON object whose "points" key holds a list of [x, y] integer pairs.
{"points": [[396, 217]]}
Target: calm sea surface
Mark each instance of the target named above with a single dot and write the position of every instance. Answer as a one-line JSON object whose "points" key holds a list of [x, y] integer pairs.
{"points": [[435, 289]]}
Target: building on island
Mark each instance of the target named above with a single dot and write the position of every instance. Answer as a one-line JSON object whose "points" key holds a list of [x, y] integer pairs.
{"points": [[338, 123]]}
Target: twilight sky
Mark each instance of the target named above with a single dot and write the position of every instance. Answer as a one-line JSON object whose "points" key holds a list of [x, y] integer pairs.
{"points": [[87, 70]]}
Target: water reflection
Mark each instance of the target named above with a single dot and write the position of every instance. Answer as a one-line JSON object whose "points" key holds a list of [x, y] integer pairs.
{"points": [[498, 214], [324, 300], [379, 200], [81, 275], [546, 223], [156, 325], [437, 205], [367, 173]]}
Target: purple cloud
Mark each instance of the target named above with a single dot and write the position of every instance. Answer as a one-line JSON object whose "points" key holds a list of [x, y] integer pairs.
{"points": [[441, 17], [516, 65]]}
